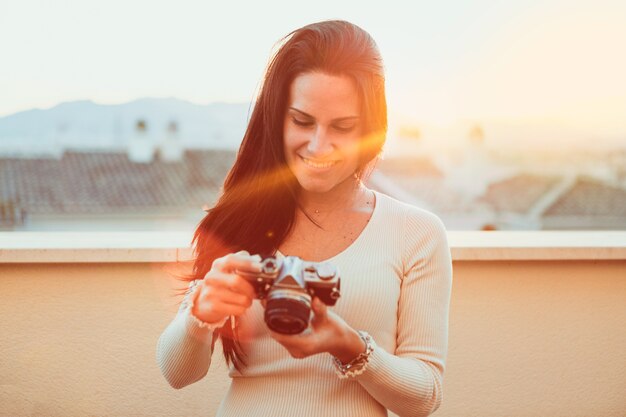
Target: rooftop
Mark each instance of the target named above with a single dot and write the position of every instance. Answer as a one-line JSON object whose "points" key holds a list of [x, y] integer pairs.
{"points": [[518, 194], [590, 197], [102, 183]]}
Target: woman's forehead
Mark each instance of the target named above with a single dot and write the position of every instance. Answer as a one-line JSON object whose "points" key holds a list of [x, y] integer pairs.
{"points": [[319, 94]]}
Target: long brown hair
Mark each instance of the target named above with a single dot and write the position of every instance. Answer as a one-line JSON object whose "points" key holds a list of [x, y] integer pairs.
{"points": [[256, 209]]}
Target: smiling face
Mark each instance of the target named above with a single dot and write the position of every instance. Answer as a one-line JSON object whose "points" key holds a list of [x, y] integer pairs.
{"points": [[322, 131]]}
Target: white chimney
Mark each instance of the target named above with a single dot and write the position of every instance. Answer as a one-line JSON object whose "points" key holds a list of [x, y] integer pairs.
{"points": [[140, 147], [171, 149]]}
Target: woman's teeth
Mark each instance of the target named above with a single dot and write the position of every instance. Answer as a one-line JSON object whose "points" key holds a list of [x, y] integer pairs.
{"points": [[318, 164]]}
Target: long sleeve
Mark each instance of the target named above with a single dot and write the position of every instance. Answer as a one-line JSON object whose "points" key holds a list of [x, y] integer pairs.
{"points": [[184, 348], [409, 381], [396, 281]]}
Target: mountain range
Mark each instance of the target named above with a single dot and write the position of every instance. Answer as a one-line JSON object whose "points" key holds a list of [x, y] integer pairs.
{"points": [[85, 125], [88, 126]]}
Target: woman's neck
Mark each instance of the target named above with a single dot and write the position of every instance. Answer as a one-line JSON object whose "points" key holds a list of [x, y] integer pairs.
{"points": [[342, 197]]}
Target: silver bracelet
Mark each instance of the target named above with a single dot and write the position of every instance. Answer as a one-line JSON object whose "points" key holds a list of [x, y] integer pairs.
{"points": [[188, 293], [357, 365]]}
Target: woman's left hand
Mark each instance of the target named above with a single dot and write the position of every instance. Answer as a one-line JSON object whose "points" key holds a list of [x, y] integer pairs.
{"points": [[327, 332]]}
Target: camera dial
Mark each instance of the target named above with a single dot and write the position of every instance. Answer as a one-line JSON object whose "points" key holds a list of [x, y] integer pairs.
{"points": [[325, 271]]}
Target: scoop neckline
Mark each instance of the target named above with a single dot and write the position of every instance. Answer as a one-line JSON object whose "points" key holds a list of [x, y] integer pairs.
{"points": [[377, 202]]}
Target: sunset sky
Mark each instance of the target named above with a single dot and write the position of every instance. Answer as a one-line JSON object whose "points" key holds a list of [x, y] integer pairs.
{"points": [[553, 63]]}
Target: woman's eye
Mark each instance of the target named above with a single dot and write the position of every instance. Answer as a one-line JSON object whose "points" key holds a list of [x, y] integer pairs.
{"points": [[345, 128], [302, 122]]}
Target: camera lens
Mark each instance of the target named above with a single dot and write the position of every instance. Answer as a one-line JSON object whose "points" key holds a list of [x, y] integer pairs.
{"points": [[287, 314]]}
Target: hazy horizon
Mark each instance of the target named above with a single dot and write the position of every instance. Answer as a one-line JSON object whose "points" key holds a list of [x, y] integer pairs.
{"points": [[199, 126]]}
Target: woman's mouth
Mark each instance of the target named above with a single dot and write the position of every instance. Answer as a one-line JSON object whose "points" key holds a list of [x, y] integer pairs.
{"points": [[318, 164]]}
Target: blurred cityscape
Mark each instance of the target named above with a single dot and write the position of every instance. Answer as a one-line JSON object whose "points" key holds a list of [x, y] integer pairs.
{"points": [[154, 164]]}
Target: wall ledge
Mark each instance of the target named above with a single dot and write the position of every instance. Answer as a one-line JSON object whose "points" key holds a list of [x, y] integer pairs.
{"points": [[98, 247]]}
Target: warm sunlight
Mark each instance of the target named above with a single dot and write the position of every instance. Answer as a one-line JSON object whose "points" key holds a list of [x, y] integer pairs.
{"points": [[505, 115], [548, 70]]}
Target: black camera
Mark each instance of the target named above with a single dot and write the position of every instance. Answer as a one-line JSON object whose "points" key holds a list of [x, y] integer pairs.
{"points": [[289, 285]]}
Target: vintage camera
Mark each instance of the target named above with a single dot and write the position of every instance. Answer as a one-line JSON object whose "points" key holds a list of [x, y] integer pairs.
{"points": [[289, 285]]}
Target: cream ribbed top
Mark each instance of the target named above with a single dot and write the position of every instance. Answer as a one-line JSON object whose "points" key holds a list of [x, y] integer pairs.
{"points": [[396, 285]]}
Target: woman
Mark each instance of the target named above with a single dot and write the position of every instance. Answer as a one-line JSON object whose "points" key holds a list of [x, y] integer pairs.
{"points": [[295, 189]]}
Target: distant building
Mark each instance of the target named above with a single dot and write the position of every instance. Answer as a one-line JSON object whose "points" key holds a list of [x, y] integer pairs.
{"points": [[107, 191], [421, 182], [171, 149], [523, 201], [141, 147], [588, 204]]}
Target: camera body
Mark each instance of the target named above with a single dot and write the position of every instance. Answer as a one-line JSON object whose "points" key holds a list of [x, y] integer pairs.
{"points": [[289, 285]]}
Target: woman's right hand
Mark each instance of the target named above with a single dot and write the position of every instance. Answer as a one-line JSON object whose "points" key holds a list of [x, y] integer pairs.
{"points": [[223, 292]]}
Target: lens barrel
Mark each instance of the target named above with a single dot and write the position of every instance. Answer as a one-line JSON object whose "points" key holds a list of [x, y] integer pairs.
{"points": [[287, 315]]}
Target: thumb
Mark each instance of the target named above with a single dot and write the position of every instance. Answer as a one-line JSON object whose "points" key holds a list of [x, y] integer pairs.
{"points": [[320, 309]]}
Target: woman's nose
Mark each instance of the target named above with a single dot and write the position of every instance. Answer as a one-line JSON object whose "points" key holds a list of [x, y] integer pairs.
{"points": [[319, 144]]}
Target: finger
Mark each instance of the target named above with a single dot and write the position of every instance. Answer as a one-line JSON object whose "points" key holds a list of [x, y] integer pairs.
{"points": [[320, 312], [298, 354], [244, 263], [241, 285], [287, 340], [319, 308], [214, 311], [237, 261], [234, 298], [299, 339], [231, 282], [228, 309], [217, 290]]}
